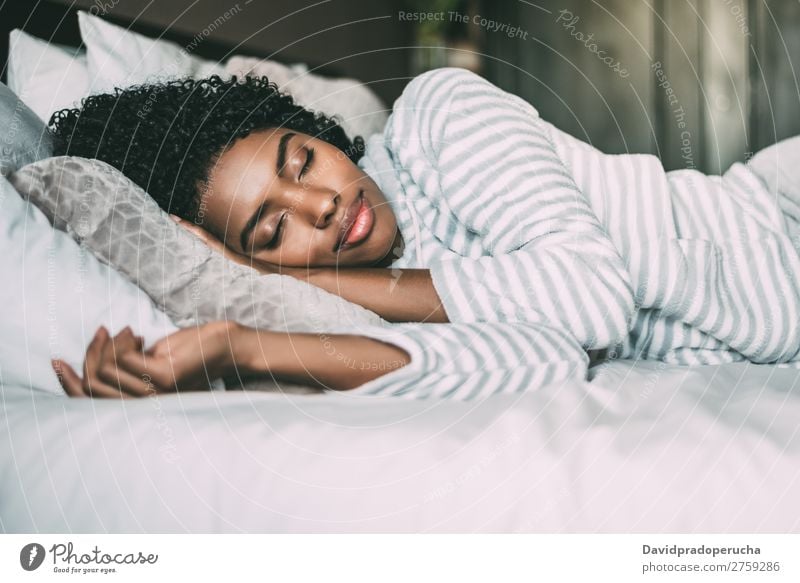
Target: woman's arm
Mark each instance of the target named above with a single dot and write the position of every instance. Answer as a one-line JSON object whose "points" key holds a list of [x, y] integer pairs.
{"points": [[423, 360], [397, 295], [330, 361], [191, 358], [484, 159], [412, 361]]}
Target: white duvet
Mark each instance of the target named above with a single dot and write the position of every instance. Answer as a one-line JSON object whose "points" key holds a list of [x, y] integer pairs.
{"points": [[645, 448]]}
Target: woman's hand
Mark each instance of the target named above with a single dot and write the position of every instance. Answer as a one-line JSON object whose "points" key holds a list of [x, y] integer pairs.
{"points": [[220, 247], [213, 242], [118, 367]]}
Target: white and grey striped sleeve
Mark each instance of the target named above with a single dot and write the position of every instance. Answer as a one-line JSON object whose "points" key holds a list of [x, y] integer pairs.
{"points": [[471, 361], [483, 157]]}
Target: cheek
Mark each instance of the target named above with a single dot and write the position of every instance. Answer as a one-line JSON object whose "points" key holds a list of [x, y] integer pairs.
{"points": [[386, 222], [308, 245], [302, 247]]}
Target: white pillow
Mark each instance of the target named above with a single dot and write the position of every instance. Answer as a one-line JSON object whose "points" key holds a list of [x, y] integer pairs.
{"points": [[359, 109], [118, 57], [45, 76], [185, 278], [55, 295]]}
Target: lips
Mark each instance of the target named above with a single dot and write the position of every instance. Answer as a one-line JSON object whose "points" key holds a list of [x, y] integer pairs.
{"points": [[348, 220]]}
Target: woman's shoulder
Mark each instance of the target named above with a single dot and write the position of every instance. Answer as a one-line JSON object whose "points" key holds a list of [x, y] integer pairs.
{"points": [[445, 74], [451, 89], [442, 80], [439, 107]]}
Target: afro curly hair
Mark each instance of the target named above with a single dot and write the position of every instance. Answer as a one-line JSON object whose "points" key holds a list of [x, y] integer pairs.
{"points": [[166, 136]]}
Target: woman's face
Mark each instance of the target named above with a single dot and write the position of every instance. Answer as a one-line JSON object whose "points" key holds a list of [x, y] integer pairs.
{"points": [[289, 199]]}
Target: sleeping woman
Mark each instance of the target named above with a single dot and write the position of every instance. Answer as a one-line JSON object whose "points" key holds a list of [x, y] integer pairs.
{"points": [[509, 254]]}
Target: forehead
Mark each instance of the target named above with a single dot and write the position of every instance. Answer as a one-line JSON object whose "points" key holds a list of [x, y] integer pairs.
{"points": [[245, 152], [244, 169]]}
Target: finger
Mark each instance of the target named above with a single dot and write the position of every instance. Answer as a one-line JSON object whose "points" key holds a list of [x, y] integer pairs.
{"points": [[207, 238], [124, 340], [127, 382], [137, 343], [231, 255], [197, 231], [128, 370], [178, 220], [55, 364], [94, 351], [99, 390], [264, 267], [113, 370], [68, 378], [301, 273], [135, 369], [93, 385]]}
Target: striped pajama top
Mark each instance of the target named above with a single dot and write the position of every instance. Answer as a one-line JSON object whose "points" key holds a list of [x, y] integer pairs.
{"points": [[545, 250]]}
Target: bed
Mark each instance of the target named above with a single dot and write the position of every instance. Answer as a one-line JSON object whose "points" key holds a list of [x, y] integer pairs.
{"points": [[638, 447], [643, 448]]}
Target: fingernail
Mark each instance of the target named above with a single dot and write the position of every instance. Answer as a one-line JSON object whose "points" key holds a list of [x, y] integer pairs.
{"points": [[175, 218]]}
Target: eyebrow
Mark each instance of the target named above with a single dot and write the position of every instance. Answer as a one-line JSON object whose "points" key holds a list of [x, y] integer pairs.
{"points": [[279, 164]]}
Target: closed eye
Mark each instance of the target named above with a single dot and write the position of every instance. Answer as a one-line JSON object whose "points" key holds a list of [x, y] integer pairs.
{"points": [[307, 165], [275, 241], [276, 237]]}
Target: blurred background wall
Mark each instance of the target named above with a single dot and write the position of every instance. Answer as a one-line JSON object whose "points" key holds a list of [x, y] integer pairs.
{"points": [[705, 82], [701, 83]]}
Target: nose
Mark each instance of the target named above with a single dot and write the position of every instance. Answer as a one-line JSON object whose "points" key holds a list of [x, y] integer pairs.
{"points": [[314, 204]]}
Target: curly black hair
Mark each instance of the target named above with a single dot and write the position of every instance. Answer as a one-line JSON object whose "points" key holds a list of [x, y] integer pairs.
{"points": [[166, 136]]}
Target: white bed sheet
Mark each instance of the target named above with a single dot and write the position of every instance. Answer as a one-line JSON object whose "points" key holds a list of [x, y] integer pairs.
{"points": [[645, 448]]}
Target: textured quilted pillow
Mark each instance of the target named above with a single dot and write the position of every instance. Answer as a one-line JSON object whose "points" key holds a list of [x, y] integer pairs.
{"points": [[25, 138], [125, 228]]}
